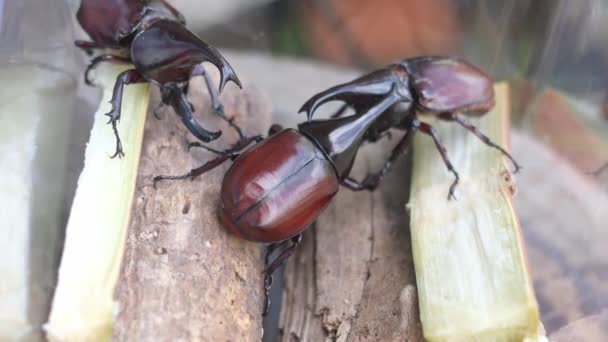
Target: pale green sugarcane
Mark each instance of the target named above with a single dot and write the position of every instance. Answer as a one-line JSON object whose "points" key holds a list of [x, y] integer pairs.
{"points": [[83, 308], [471, 272]]}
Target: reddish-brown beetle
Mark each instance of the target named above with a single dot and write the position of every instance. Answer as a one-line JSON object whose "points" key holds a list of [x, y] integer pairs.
{"points": [[151, 35], [276, 189]]}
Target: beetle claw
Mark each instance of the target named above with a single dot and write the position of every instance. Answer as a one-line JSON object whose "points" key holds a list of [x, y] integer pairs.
{"points": [[377, 83]]}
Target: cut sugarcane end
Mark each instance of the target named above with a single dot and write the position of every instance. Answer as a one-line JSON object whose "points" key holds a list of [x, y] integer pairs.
{"points": [[83, 308], [471, 270]]}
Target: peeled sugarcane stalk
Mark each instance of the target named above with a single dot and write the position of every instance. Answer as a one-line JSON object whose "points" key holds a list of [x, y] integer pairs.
{"points": [[83, 308], [471, 272]]}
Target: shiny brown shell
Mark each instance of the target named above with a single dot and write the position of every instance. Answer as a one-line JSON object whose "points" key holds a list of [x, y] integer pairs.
{"points": [[445, 84], [276, 189]]}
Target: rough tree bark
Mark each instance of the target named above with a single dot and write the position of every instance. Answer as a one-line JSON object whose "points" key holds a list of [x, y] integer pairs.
{"points": [[184, 277]]}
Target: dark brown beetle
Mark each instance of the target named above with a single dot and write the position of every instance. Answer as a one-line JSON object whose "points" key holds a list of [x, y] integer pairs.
{"points": [[442, 86], [277, 188], [151, 35]]}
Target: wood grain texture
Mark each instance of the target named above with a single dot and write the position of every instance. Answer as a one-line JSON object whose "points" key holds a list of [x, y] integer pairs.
{"points": [[353, 278], [184, 277]]}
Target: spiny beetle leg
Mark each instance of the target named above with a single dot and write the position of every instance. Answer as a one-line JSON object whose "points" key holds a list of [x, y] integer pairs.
{"points": [[208, 166], [231, 153], [178, 99], [276, 263], [484, 138], [157, 111], [429, 130], [103, 58], [239, 146], [125, 77], [275, 128], [87, 46], [216, 105], [340, 111], [372, 181]]}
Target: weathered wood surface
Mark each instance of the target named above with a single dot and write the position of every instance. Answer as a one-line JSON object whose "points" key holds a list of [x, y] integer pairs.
{"points": [[353, 279], [184, 277]]}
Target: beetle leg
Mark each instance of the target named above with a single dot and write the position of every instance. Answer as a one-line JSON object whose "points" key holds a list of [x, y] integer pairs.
{"points": [[87, 46], [208, 166], [157, 111], [473, 129], [205, 147], [359, 107], [103, 58], [276, 263], [231, 154], [340, 111], [216, 105], [275, 128], [429, 130], [372, 180], [180, 104], [377, 83], [125, 77]]}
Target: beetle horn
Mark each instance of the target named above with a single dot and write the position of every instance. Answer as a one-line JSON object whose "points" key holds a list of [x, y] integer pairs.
{"points": [[226, 71], [376, 83], [347, 132]]}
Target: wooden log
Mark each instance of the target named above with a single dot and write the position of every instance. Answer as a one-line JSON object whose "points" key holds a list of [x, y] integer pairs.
{"points": [[353, 278], [184, 277]]}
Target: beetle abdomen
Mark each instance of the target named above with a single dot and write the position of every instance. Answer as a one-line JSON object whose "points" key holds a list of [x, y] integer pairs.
{"points": [[277, 188]]}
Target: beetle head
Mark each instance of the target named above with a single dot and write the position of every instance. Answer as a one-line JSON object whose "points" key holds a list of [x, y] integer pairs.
{"points": [[363, 92]]}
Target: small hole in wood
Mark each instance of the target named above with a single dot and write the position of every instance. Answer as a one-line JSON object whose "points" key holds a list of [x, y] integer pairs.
{"points": [[186, 208]]}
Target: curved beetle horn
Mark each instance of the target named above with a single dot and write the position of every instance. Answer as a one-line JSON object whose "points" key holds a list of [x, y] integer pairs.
{"points": [[377, 83], [226, 71]]}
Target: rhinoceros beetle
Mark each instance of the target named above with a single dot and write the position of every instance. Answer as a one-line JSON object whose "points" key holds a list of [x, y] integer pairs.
{"points": [[276, 189], [151, 35], [446, 87]]}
